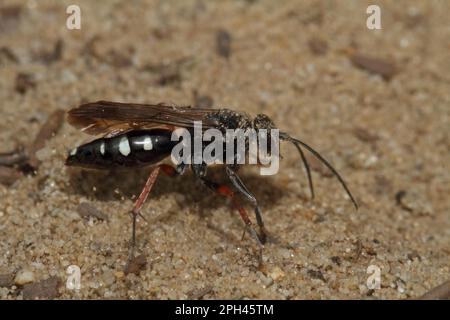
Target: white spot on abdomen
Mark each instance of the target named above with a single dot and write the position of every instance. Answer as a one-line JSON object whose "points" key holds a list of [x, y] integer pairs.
{"points": [[148, 145], [124, 146], [102, 148]]}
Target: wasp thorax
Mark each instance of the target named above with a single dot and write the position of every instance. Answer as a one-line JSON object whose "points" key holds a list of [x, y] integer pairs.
{"points": [[262, 121]]}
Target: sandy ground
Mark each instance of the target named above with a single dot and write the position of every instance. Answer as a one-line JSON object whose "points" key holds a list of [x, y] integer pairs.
{"points": [[389, 138]]}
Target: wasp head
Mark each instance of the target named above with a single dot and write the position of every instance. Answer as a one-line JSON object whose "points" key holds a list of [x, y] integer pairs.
{"points": [[263, 125]]}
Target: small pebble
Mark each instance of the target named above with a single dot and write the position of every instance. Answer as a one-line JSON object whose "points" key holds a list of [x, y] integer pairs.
{"points": [[276, 273], [267, 281], [414, 202], [86, 210], [23, 277], [108, 278], [363, 161], [6, 280], [45, 289]]}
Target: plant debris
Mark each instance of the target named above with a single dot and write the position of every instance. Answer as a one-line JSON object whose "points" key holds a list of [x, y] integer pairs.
{"points": [[119, 59], [384, 68], [168, 73], [316, 274], [46, 289], [113, 57], [53, 55], [200, 293], [441, 292], [90, 49], [202, 101], [8, 54], [336, 260], [414, 255], [223, 43], [9, 175], [358, 250], [364, 135], [86, 210], [12, 158], [24, 81], [9, 17], [136, 264], [413, 202], [47, 131], [318, 46]]}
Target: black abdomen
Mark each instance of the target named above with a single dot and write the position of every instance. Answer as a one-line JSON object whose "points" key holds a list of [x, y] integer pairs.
{"points": [[131, 149]]}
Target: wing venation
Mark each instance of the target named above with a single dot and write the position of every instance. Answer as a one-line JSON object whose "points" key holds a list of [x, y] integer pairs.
{"points": [[105, 117]]}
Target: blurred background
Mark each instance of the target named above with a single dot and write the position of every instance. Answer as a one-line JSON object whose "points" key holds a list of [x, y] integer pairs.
{"points": [[375, 102]]}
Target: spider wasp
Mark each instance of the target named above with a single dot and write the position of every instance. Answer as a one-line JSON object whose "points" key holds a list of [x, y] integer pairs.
{"points": [[136, 135]]}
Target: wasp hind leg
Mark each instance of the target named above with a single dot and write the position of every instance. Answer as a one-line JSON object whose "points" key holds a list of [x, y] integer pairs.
{"points": [[167, 170]]}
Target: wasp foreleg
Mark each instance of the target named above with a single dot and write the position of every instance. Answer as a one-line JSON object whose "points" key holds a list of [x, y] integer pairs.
{"points": [[240, 186], [227, 192]]}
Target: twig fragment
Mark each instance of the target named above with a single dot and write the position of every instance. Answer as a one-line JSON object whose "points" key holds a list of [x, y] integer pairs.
{"points": [[441, 292]]}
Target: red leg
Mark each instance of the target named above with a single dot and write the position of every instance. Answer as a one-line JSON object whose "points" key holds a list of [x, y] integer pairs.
{"points": [[166, 169], [227, 192]]}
